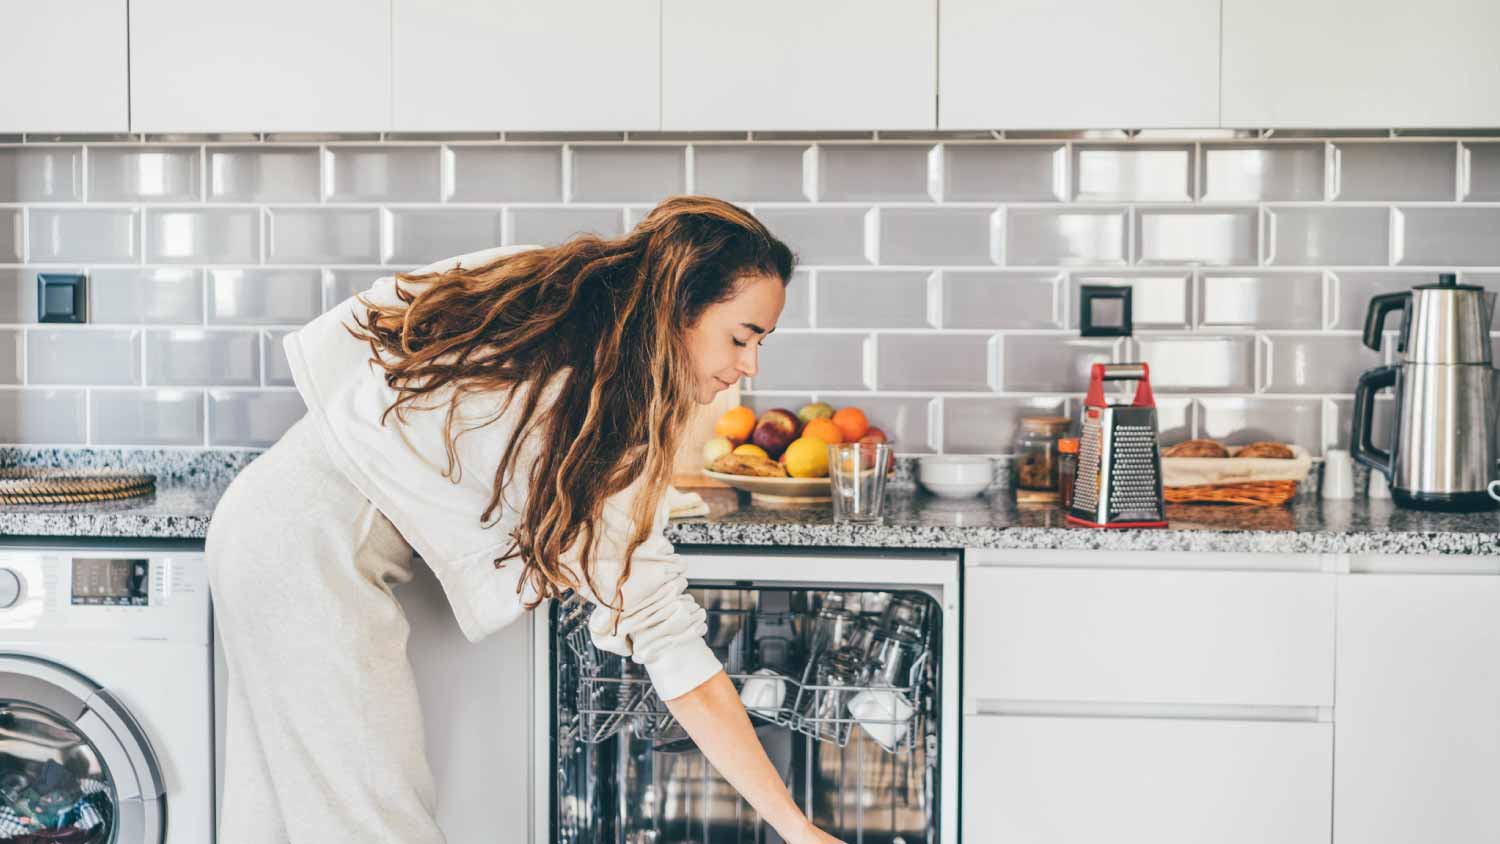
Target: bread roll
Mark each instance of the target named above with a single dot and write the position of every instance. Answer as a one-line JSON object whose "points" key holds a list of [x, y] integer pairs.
{"points": [[1266, 449], [1196, 448]]}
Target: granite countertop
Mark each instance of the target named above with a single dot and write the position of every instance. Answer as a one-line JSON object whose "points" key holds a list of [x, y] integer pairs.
{"points": [[181, 508]]}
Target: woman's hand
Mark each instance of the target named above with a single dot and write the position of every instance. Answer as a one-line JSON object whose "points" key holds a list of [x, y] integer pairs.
{"points": [[717, 722]]}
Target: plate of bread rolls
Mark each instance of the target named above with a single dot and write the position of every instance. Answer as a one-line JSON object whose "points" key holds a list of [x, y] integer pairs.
{"points": [[1205, 470]]}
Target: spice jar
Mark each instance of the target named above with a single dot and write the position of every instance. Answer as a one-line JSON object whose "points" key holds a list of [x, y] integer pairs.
{"points": [[1067, 469], [1034, 467]]}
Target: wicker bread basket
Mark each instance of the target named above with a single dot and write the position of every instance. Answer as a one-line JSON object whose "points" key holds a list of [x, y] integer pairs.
{"points": [[1234, 480]]}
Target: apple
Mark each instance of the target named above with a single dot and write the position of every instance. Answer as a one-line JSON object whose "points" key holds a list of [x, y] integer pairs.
{"points": [[877, 436], [775, 431], [816, 410], [716, 448]]}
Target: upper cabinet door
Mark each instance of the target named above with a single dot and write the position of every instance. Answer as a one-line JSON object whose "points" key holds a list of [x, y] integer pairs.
{"points": [[793, 65], [263, 66], [563, 65], [63, 67], [1361, 63], [1080, 64]]}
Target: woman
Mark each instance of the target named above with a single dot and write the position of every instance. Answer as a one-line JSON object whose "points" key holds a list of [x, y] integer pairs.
{"points": [[511, 416]]}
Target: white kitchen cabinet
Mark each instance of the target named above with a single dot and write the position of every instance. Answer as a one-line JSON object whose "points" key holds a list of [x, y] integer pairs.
{"points": [[1258, 638], [488, 65], [267, 66], [1418, 711], [792, 65], [1146, 781], [1041, 64], [1370, 63], [63, 68]]}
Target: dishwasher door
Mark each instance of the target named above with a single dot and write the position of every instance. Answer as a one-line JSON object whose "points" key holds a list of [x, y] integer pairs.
{"points": [[870, 754]]}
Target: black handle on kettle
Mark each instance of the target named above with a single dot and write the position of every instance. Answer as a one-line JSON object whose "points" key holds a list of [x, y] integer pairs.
{"points": [[1361, 435], [1380, 307]]}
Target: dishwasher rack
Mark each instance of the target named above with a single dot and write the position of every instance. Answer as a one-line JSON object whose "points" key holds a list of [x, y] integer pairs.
{"points": [[610, 693]]}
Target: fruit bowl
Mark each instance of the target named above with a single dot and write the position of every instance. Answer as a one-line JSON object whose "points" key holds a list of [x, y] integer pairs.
{"points": [[777, 491]]}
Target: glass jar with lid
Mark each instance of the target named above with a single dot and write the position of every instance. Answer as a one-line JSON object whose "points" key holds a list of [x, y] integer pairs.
{"points": [[1034, 465], [1067, 469]]}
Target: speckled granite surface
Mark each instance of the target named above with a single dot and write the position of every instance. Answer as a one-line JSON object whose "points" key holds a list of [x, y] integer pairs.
{"points": [[181, 508]]}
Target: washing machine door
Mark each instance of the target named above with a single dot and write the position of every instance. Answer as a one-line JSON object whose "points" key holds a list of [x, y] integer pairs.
{"points": [[74, 764]]}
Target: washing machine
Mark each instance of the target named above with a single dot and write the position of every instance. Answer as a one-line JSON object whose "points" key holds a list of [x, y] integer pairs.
{"points": [[106, 695]]}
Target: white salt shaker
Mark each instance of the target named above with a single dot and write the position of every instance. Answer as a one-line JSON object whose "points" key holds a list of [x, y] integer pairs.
{"points": [[1379, 486], [1338, 474]]}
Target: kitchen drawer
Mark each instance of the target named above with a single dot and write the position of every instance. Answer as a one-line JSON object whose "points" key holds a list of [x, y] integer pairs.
{"points": [[1146, 780], [1148, 636]]}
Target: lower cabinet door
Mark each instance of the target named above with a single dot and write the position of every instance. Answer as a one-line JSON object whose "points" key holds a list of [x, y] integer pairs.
{"points": [[1066, 780]]}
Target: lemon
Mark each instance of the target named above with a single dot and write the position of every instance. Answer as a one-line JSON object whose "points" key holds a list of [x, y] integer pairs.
{"points": [[807, 457], [751, 450]]}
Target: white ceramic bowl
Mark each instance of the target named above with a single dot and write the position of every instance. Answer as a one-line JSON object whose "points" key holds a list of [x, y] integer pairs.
{"points": [[954, 475]]}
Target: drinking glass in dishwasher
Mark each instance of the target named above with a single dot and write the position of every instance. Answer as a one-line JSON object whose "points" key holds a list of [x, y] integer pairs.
{"points": [[856, 474]]}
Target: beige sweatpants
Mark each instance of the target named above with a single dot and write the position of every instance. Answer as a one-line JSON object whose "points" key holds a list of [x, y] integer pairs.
{"points": [[324, 740]]}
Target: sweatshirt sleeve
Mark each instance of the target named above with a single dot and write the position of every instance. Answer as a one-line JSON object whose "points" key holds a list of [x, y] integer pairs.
{"points": [[660, 626]]}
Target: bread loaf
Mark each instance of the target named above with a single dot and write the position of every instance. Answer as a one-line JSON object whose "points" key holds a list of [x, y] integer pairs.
{"points": [[1196, 448], [1266, 449]]}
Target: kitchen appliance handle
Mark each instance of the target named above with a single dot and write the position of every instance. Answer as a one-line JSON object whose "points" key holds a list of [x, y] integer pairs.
{"points": [[1361, 436], [1381, 307]]}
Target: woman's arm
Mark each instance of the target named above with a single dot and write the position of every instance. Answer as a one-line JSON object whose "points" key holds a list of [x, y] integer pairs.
{"points": [[716, 720]]}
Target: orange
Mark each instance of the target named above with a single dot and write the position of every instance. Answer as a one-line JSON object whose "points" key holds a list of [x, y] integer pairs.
{"points": [[824, 430], [852, 422], [736, 424], [752, 450], [807, 457]]}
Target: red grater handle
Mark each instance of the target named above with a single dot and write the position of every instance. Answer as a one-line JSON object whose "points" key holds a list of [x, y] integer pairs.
{"points": [[1138, 372]]}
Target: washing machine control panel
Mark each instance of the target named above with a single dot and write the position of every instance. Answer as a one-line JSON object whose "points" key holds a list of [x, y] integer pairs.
{"points": [[111, 581]]}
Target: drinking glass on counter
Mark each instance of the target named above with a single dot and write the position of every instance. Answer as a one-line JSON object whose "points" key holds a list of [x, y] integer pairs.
{"points": [[856, 473]]}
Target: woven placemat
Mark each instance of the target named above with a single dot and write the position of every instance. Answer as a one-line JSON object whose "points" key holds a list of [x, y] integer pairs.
{"points": [[71, 486]]}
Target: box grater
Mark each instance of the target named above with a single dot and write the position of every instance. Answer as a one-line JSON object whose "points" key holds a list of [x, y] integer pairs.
{"points": [[1119, 466]]}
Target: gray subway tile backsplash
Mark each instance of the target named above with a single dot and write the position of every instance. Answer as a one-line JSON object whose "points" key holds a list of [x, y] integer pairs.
{"points": [[92, 235], [41, 174], [163, 295], [1313, 236], [873, 299], [964, 362], [83, 356], [1279, 300], [323, 236], [616, 173], [42, 416], [193, 357], [203, 236], [281, 296], [251, 419], [12, 244], [1483, 171], [1133, 173], [1000, 299], [264, 174], [937, 283], [382, 174], [518, 173], [751, 172], [1205, 236], [142, 174], [1262, 172], [146, 417], [865, 172], [1010, 172], [422, 236], [1465, 237], [1064, 237], [1396, 171]]}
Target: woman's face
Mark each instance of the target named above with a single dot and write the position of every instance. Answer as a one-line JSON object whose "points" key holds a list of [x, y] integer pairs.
{"points": [[725, 342]]}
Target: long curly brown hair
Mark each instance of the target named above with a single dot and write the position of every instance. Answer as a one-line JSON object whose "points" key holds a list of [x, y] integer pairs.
{"points": [[609, 317]]}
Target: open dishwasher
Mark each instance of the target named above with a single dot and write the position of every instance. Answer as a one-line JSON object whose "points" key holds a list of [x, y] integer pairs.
{"points": [[847, 664]]}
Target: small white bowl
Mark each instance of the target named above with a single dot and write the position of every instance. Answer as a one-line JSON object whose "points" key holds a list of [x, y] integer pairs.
{"points": [[955, 475]]}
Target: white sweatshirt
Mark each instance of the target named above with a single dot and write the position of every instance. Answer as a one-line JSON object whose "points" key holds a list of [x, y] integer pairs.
{"points": [[400, 468]]}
